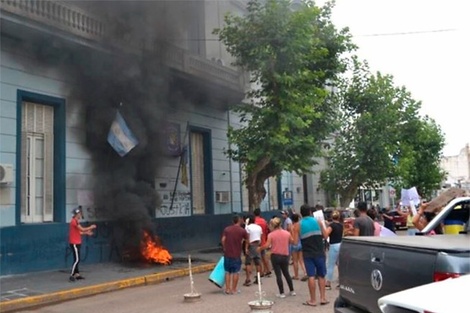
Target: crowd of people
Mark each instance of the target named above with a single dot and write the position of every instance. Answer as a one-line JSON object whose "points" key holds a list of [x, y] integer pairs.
{"points": [[304, 240], [301, 240]]}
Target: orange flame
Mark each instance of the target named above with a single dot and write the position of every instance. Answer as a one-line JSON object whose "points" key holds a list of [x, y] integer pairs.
{"points": [[153, 252]]}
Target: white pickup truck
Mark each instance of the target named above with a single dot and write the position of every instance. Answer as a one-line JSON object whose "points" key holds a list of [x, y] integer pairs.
{"points": [[429, 298]]}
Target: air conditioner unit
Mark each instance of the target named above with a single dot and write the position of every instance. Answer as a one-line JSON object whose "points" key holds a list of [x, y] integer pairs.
{"points": [[222, 196], [6, 173]]}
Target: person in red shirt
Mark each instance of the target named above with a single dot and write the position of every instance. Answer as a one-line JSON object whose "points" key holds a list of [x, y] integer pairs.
{"points": [[264, 237], [75, 240], [232, 239]]}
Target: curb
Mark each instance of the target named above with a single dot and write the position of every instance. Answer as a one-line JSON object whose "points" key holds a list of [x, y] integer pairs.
{"points": [[75, 293]]}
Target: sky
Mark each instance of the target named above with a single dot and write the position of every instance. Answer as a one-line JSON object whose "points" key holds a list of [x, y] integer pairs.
{"points": [[424, 45]]}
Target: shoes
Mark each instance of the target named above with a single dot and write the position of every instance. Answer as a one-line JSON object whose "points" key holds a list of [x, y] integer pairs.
{"points": [[282, 296], [305, 278], [268, 274], [328, 287], [295, 278], [247, 283], [292, 293], [74, 278], [256, 282]]}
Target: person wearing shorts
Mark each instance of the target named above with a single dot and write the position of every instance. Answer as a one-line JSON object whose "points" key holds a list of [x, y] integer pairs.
{"points": [[232, 238], [312, 233], [251, 249], [296, 250], [266, 268]]}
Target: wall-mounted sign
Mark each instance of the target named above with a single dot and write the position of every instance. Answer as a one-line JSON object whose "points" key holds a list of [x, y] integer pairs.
{"points": [[287, 199], [173, 139]]}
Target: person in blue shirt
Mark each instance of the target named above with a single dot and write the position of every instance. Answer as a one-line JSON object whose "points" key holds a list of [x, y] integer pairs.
{"points": [[311, 233]]}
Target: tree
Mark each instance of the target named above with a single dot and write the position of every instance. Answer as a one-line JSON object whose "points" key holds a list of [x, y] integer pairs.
{"points": [[374, 114], [418, 160], [291, 55]]}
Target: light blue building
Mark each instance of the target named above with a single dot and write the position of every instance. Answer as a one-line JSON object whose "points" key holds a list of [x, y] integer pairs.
{"points": [[67, 68]]}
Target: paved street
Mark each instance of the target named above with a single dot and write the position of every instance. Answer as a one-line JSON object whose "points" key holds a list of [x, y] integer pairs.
{"points": [[169, 297], [158, 286]]}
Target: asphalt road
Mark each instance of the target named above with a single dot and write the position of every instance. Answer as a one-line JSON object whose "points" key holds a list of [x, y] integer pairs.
{"points": [[169, 297]]}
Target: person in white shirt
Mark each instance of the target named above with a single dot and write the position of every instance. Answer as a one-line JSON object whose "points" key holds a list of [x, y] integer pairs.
{"points": [[251, 249]]}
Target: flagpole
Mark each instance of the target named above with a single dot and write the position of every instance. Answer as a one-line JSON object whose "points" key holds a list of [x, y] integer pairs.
{"points": [[179, 166]]}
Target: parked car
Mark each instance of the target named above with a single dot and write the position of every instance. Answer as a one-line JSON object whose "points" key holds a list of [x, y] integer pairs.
{"points": [[429, 298], [398, 220]]}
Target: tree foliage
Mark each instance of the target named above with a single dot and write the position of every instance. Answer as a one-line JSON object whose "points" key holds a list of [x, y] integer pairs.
{"points": [[291, 55], [418, 159], [377, 120]]}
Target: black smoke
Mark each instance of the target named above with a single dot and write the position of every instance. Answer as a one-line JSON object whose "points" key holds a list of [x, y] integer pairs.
{"points": [[130, 76], [127, 73]]}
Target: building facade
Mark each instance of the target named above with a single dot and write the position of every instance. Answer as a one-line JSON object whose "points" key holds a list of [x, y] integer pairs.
{"points": [[68, 70], [457, 168]]}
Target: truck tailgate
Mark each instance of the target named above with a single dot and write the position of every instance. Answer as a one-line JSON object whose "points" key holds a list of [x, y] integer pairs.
{"points": [[372, 267]]}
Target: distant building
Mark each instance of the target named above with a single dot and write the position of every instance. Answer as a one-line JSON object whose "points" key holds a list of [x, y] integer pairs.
{"points": [[457, 168]]}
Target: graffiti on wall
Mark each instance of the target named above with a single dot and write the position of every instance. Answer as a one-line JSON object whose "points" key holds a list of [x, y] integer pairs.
{"points": [[181, 204]]}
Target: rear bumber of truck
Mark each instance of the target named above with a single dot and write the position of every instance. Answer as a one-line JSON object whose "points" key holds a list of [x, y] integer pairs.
{"points": [[372, 267]]}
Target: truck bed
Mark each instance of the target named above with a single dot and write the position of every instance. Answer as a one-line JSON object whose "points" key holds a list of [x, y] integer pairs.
{"points": [[443, 243]]}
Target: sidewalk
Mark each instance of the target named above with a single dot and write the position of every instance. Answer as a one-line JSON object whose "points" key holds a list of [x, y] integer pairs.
{"points": [[43, 288]]}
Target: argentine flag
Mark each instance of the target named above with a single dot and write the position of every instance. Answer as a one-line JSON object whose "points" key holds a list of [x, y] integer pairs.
{"points": [[120, 136]]}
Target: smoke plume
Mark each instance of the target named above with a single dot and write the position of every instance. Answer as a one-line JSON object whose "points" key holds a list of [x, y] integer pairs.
{"points": [[128, 75]]}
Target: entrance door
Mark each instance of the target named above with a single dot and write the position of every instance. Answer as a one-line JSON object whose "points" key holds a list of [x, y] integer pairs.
{"points": [[201, 172]]}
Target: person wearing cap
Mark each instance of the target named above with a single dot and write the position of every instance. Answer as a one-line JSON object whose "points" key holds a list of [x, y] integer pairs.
{"points": [[75, 240], [287, 223]]}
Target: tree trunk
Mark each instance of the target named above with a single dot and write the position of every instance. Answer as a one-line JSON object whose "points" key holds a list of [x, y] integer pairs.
{"points": [[347, 195], [255, 184], [256, 194]]}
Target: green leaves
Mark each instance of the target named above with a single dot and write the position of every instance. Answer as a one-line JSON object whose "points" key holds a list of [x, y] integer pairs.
{"points": [[292, 55], [382, 138], [420, 155]]}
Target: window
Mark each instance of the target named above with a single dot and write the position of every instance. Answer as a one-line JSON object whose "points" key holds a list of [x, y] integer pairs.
{"points": [[37, 162]]}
